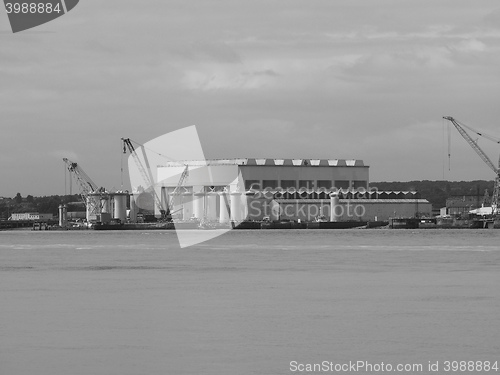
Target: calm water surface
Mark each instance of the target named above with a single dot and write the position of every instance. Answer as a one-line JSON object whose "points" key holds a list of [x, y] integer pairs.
{"points": [[248, 302]]}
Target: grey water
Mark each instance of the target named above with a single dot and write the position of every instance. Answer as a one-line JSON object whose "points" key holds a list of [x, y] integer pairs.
{"points": [[248, 302]]}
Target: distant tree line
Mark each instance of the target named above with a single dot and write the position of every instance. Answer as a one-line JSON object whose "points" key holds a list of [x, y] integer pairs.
{"points": [[45, 204]]}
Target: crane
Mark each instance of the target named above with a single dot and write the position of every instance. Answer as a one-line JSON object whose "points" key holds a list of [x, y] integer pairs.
{"points": [[147, 177], [87, 187], [495, 198]]}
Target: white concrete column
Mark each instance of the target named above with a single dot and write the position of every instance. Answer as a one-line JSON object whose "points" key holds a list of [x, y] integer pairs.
{"points": [[187, 205], [164, 200], [212, 206], [133, 209], [198, 205], [335, 208], [244, 206], [223, 208], [236, 211], [275, 208]]}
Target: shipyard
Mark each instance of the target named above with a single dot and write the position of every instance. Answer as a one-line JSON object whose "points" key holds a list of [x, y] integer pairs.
{"points": [[273, 193], [255, 193]]}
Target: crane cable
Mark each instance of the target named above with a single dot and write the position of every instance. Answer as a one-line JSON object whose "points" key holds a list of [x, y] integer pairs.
{"points": [[481, 134], [447, 136], [65, 178], [121, 168], [449, 147], [153, 151]]}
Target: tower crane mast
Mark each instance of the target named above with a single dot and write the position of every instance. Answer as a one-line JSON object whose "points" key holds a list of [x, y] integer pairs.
{"points": [[495, 198]]}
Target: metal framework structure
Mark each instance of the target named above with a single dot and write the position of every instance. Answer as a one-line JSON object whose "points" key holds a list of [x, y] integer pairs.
{"points": [[148, 179], [87, 187], [495, 198]]}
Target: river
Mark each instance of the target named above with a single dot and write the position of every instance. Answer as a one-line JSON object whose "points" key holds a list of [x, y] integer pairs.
{"points": [[247, 302]]}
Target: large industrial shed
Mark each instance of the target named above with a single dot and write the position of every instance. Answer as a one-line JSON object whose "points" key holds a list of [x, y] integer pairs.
{"points": [[274, 173], [303, 173], [280, 189]]}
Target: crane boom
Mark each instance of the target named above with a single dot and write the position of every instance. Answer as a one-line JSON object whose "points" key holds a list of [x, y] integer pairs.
{"points": [[184, 175], [147, 176], [495, 198], [473, 144], [86, 183], [87, 186]]}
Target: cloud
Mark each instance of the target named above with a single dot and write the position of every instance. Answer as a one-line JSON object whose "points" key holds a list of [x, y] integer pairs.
{"points": [[469, 46], [219, 52], [492, 18], [321, 78], [207, 77]]}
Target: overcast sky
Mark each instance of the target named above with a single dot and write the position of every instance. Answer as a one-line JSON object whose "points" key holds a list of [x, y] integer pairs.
{"points": [[332, 79]]}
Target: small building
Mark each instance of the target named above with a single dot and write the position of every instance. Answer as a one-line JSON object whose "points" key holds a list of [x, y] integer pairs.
{"points": [[461, 205], [30, 216], [76, 215]]}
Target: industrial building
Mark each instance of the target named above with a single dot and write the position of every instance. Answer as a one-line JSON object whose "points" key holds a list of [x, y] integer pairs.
{"points": [[30, 216], [104, 206], [461, 205], [226, 190]]}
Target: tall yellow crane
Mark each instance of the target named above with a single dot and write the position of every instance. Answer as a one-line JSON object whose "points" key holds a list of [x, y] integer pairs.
{"points": [[495, 198]]}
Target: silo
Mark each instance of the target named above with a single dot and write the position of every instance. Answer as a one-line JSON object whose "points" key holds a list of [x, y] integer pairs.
{"points": [[120, 203], [105, 201], [63, 211]]}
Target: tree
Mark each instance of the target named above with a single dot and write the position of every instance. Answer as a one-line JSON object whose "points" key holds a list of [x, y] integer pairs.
{"points": [[30, 199], [18, 198]]}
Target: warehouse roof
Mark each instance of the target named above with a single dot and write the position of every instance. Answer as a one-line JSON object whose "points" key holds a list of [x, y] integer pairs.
{"points": [[270, 162]]}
